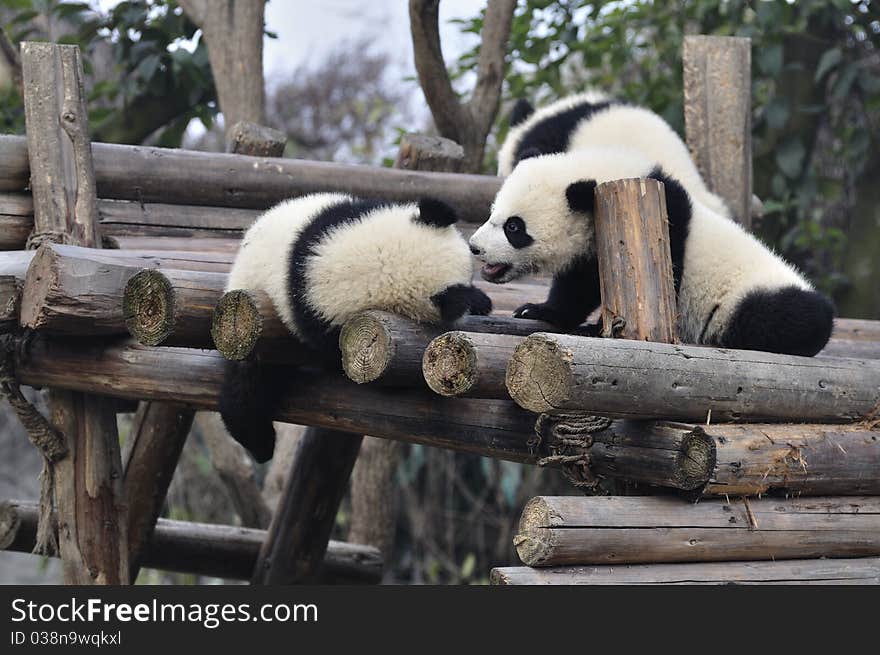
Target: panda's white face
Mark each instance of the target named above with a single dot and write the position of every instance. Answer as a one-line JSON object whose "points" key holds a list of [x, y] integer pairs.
{"points": [[542, 220]]}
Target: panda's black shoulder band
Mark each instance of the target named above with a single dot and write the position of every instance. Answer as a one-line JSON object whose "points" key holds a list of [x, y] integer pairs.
{"points": [[435, 213]]}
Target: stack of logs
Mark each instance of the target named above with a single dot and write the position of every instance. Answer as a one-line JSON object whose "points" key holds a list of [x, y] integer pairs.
{"points": [[148, 320]]}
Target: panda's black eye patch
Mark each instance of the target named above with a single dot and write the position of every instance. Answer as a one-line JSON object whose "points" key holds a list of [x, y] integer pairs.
{"points": [[515, 231]]}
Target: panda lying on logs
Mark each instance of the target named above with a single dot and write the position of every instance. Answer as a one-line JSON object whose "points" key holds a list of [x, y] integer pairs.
{"points": [[322, 259], [732, 290]]}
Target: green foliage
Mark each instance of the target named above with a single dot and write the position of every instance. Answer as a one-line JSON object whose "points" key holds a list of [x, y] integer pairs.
{"points": [[138, 58], [815, 89]]}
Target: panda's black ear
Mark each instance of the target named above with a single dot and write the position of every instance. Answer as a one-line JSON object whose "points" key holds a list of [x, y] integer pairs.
{"points": [[435, 213], [522, 109], [581, 196], [678, 202]]}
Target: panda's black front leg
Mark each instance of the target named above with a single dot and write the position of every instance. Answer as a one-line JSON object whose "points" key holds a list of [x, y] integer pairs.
{"points": [[460, 299], [573, 295]]}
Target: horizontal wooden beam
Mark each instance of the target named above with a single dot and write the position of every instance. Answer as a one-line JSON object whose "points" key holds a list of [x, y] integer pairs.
{"points": [[864, 570], [186, 177], [578, 530], [221, 551], [630, 379]]}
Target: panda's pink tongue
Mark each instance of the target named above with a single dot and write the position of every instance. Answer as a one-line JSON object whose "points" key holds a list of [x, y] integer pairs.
{"points": [[493, 269]]}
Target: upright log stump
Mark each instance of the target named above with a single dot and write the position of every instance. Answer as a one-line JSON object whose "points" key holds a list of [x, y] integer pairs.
{"points": [[88, 482]]}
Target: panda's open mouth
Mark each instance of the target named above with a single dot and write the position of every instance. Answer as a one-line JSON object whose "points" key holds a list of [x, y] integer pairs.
{"points": [[495, 272]]}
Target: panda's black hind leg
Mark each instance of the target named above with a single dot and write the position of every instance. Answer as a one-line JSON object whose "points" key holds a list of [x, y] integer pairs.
{"points": [[248, 400], [790, 321]]}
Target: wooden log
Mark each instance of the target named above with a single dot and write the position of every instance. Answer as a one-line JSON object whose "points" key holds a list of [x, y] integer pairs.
{"points": [[865, 570], [10, 302], [635, 265], [379, 346], [220, 551], [579, 530], [794, 459], [614, 377], [717, 116], [256, 140], [219, 246], [171, 307], [154, 445], [854, 329], [294, 548], [733, 461], [188, 177], [468, 364], [79, 291], [127, 218], [92, 524], [420, 152], [240, 319]]}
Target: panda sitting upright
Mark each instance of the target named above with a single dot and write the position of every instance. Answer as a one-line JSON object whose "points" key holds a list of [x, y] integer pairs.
{"points": [[325, 257], [732, 290]]}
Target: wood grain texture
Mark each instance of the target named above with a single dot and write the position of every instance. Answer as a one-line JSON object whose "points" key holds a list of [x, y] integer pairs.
{"points": [[91, 510], [468, 364], [635, 265], [294, 548], [153, 447], [185, 177], [578, 530], [864, 570], [221, 551], [620, 378], [717, 116]]}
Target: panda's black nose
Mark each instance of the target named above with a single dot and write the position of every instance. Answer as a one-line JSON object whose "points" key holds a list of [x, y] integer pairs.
{"points": [[475, 250]]}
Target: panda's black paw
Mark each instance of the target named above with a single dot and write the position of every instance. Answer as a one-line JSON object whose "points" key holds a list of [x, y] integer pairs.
{"points": [[538, 312]]}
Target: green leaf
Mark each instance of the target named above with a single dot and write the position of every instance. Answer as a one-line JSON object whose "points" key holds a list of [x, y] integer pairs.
{"points": [[829, 60], [776, 113], [790, 157], [770, 60]]}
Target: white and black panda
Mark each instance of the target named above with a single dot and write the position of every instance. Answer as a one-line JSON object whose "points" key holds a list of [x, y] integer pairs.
{"points": [[732, 290], [325, 257], [593, 119]]}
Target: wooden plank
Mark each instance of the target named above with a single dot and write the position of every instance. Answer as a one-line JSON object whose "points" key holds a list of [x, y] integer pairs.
{"points": [[718, 116], [864, 570], [630, 379], [220, 551], [579, 530], [635, 265], [88, 482], [297, 538]]}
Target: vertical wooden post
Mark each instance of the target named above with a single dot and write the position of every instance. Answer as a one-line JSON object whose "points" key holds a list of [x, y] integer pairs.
{"points": [[717, 116], [635, 266], [92, 526], [294, 548], [372, 481], [158, 434]]}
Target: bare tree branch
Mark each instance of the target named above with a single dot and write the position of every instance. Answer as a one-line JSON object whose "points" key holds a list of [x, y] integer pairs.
{"points": [[433, 77], [10, 54], [469, 123], [197, 10]]}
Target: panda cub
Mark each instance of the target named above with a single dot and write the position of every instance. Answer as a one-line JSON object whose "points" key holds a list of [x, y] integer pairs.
{"points": [[732, 290], [325, 257], [595, 119]]}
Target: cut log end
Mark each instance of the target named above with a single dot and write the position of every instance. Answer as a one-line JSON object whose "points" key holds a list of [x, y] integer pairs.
{"points": [[148, 306], [40, 279], [539, 376], [696, 460], [449, 364], [534, 542], [236, 325], [367, 348]]}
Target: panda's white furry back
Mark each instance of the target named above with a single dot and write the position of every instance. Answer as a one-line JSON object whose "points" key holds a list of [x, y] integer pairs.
{"points": [[592, 119], [322, 259], [732, 290]]}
